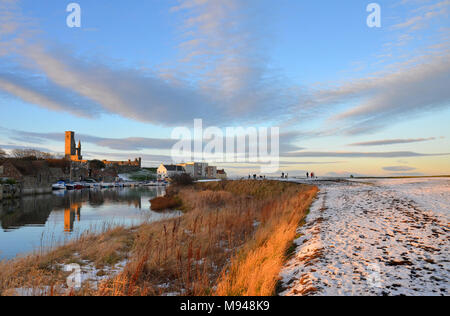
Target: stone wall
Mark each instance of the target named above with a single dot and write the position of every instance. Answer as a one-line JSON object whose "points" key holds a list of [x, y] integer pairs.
{"points": [[9, 191]]}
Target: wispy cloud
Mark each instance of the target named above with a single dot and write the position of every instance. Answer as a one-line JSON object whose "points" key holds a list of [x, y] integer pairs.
{"points": [[424, 15], [347, 154], [399, 168], [385, 142], [231, 82], [127, 143], [381, 99], [120, 144]]}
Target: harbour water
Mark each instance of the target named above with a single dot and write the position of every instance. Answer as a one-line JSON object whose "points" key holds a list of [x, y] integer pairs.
{"points": [[36, 222]]}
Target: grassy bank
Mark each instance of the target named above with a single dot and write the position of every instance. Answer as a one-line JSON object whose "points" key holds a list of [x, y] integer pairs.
{"points": [[232, 240]]}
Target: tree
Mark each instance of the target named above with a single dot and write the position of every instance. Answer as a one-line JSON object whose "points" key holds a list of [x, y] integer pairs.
{"points": [[2, 153], [182, 179], [97, 164], [32, 154]]}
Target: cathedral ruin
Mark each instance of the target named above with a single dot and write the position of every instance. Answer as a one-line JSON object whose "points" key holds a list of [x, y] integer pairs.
{"points": [[73, 153]]}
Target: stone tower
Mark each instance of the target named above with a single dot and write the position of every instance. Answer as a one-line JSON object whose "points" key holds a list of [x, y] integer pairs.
{"points": [[79, 150], [72, 152], [70, 144]]}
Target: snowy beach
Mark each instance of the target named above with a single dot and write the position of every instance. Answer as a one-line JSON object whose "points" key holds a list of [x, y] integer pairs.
{"points": [[374, 237]]}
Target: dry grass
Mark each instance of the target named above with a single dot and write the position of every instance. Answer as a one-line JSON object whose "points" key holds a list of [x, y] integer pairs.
{"points": [[255, 270], [232, 240], [43, 271], [163, 203]]}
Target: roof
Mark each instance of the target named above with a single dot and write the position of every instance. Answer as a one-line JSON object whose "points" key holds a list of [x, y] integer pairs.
{"points": [[58, 163], [221, 171], [27, 167], [173, 168]]}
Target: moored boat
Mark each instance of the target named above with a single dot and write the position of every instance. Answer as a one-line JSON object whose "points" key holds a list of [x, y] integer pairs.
{"points": [[60, 185]]}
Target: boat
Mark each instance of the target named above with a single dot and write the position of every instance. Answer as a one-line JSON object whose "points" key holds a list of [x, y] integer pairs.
{"points": [[95, 185], [78, 186], [60, 185], [86, 185]]}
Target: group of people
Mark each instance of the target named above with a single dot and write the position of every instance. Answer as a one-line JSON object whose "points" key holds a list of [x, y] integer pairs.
{"points": [[283, 176], [256, 177]]}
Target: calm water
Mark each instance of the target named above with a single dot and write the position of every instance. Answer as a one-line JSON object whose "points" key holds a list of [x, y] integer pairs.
{"points": [[32, 222]]}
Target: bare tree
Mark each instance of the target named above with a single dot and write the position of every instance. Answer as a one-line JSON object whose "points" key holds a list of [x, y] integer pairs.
{"points": [[31, 154]]}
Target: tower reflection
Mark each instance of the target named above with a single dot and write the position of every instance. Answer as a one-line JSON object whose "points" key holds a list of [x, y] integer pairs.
{"points": [[69, 216]]}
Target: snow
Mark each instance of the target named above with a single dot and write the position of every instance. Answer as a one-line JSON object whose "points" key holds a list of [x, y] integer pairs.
{"points": [[387, 237], [87, 273], [431, 194], [125, 177]]}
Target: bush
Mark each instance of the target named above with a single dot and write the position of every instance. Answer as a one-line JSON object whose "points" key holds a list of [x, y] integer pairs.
{"points": [[11, 181], [97, 164], [164, 203], [8, 181], [143, 175], [182, 179]]}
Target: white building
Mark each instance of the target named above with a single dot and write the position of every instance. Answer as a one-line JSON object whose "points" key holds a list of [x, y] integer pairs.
{"points": [[168, 171], [196, 170]]}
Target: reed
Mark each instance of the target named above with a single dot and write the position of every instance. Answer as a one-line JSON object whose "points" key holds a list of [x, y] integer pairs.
{"points": [[232, 240]]}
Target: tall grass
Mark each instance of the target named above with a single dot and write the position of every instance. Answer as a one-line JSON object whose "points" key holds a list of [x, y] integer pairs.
{"points": [[255, 270], [232, 240]]}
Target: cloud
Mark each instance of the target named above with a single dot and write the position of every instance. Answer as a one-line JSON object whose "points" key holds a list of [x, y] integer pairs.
{"points": [[223, 75], [132, 93], [382, 99], [11, 147], [399, 168], [288, 163], [425, 15], [392, 142], [345, 154], [122, 144], [128, 143], [227, 81], [35, 90], [310, 162]]}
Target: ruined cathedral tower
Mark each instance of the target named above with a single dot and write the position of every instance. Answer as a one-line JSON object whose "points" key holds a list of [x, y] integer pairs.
{"points": [[72, 153]]}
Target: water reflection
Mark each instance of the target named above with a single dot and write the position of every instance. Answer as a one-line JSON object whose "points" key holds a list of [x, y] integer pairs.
{"points": [[69, 217], [63, 215]]}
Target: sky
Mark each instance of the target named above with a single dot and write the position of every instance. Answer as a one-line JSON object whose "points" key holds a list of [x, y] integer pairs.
{"points": [[348, 98]]}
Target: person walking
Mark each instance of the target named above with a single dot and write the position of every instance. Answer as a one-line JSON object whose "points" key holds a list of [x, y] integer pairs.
{"points": [[307, 175]]}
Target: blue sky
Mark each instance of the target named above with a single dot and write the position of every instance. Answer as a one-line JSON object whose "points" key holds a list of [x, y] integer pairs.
{"points": [[349, 99]]}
